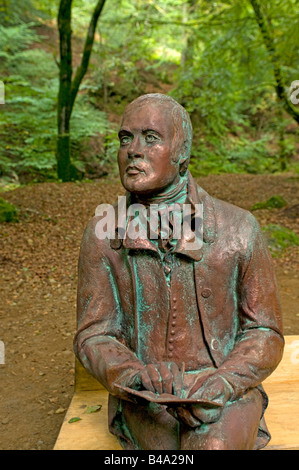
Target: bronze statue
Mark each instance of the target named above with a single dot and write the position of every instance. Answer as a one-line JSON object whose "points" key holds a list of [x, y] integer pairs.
{"points": [[181, 330]]}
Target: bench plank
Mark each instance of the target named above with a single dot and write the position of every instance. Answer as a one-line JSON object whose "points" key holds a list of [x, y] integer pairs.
{"points": [[288, 369], [282, 415], [91, 433]]}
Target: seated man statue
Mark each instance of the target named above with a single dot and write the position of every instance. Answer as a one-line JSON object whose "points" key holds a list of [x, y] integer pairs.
{"points": [[181, 330]]}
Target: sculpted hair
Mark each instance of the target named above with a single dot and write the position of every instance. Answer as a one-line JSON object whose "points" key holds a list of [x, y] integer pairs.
{"points": [[181, 121]]}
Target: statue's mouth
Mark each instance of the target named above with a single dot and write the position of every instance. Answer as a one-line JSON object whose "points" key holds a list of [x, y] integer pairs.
{"points": [[134, 170]]}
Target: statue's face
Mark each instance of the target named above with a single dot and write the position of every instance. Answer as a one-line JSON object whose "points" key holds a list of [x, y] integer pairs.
{"points": [[145, 156]]}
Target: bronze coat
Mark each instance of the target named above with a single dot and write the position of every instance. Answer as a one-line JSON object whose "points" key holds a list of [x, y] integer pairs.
{"points": [[236, 295]]}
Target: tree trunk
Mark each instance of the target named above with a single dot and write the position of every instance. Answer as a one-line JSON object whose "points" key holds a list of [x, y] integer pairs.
{"points": [[82, 69], [283, 154], [189, 38], [269, 43], [64, 97], [69, 87]]}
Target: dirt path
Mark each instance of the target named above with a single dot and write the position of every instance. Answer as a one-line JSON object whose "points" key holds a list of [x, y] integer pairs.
{"points": [[38, 291]]}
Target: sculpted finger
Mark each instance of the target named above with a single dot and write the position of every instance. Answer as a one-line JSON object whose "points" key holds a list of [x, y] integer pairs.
{"points": [[215, 391], [155, 378], [178, 378], [167, 378], [146, 381], [187, 418], [206, 415]]}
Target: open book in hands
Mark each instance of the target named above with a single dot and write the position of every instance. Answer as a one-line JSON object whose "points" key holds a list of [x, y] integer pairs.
{"points": [[169, 399]]}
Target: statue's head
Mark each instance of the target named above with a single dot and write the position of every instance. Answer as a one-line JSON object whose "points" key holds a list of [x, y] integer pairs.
{"points": [[155, 144]]}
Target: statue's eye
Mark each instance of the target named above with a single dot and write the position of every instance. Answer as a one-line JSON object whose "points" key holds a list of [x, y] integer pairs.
{"points": [[125, 139], [149, 138]]}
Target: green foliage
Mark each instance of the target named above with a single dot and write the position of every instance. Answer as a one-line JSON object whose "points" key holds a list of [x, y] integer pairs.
{"points": [[231, 154], [13, 40], [29, 121], [15, 11], [111, 149], [274, 202], [30, 102], [220, 71], [280, 238], [226, 82], [30, 144], [8, 212]]}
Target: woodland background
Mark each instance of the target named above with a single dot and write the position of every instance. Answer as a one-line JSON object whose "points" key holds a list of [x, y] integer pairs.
{"points": [[210, 56], [69, 68]]}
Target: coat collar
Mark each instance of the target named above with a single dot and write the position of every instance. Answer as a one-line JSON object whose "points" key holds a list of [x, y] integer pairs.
{"points": [[196, 195]]}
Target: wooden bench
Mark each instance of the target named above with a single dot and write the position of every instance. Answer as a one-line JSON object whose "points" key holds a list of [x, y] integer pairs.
{"points": [[91, 431]]}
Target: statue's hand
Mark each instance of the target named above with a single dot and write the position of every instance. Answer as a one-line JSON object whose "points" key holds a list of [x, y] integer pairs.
{"points": [[194, 415], [163, 377], [214, 388]]}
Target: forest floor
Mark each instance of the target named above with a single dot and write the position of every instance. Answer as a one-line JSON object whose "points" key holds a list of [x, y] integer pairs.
{"points": [[38, 272]]}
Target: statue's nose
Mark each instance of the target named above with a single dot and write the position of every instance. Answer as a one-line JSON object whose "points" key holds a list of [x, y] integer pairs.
{"points": [[135, 149]]}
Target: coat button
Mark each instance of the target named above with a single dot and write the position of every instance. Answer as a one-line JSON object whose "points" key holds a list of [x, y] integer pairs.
{"points": [[206, 293], [214, 344], [116, 243]]}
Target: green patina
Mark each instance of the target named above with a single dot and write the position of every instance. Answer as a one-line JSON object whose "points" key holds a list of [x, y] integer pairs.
{"points": [[116, 295], [142, 327]]}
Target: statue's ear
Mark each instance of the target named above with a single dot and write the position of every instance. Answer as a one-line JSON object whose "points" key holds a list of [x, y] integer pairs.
{"points": [[183, 162]]}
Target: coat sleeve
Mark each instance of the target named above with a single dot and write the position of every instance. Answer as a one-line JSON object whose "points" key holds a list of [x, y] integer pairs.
{"points": [[259, 345], [98, 342]]}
